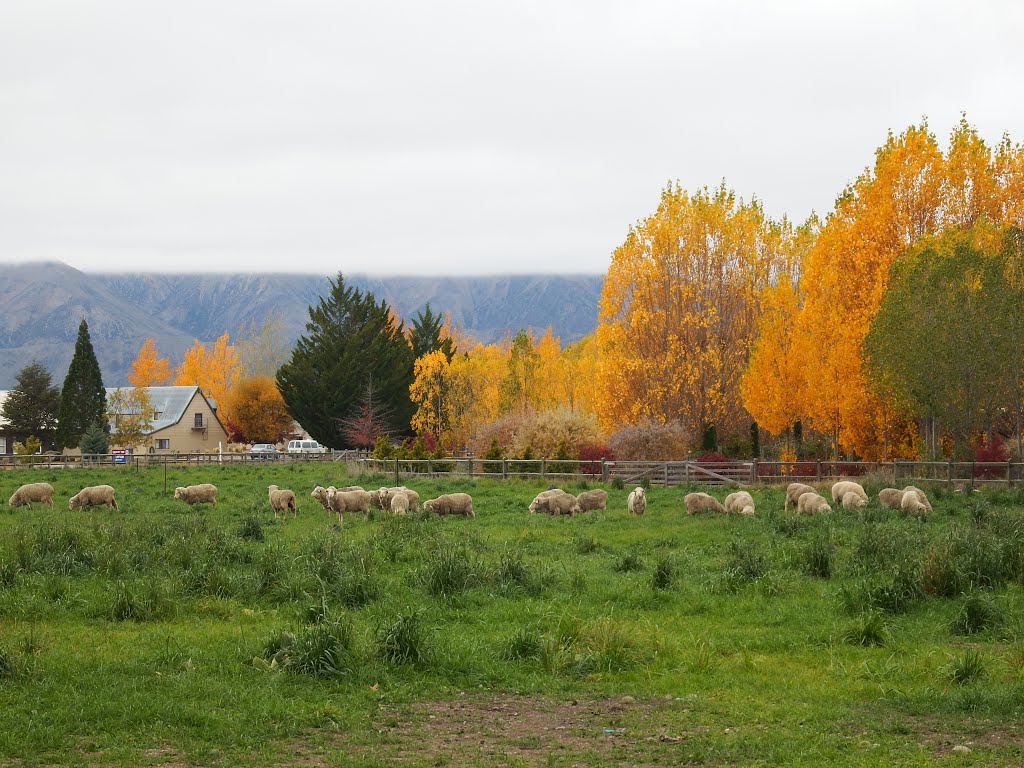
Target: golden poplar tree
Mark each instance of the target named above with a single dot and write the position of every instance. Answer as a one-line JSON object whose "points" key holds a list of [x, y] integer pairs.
{"points": [[214, 371], [149, 369]]}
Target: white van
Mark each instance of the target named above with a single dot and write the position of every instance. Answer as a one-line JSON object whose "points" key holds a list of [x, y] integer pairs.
{"points": [[305, 446]]}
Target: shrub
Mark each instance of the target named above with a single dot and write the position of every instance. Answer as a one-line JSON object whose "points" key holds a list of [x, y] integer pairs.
{"points": [[651, 441], [591, 454], [403, 641], [712, 457], [995, 451], [618, 484]]}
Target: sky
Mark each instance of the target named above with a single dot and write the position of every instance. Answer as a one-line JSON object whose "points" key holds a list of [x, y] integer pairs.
{"points": [[455, 137]]}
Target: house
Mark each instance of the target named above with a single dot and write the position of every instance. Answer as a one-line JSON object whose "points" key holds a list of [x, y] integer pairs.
{"points": [[183, 421]]}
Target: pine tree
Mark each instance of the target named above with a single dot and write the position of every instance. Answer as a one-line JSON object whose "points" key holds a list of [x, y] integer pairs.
{"points": [[350, 339], [426, 335], [94, 441], [31, 407], [83, 400]]}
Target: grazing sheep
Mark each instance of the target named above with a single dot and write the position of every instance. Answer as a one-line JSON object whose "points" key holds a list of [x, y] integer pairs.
{"points": [[890, 497], [282, 500], [384, 497], [920, 496], [204, 493], [793, 492], [702, 502], [637, 501], [31, 492], [852, 500], [844, 487], [94, 496], [741, 503], [399, 504], [451, 504], [555, 502], [589, 500], [912, 504], [348, 501], [812, 503]]}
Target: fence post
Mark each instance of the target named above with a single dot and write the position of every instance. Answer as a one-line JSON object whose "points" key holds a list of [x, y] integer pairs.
{"points": [[817, 470], [604, 471], [1009, 474], [664, 474], [753, 472], [396, 470], [504, 469], [470, 460], [543, 468]]}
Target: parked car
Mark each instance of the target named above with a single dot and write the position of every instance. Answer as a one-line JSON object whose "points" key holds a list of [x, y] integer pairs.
{"points": [[264, 451], [305, 446]]}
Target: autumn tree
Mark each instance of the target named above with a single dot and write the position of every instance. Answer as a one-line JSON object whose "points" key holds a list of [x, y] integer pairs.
{"points": [[130, 414], [258, 411], [262, 347], [82, 398], [148, 369], [369, 421], [215, 371], [679, 310], [431, 393], [31, 407], [349, 339], [519, 387]]}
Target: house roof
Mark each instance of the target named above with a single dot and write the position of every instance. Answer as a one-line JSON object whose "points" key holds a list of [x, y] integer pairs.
{"points": [[170, 403]]}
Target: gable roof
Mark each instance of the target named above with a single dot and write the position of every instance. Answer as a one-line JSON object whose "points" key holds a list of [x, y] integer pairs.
{"points": [[170, 403]]}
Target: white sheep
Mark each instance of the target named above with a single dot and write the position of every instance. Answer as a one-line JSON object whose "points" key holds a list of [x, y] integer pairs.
{"points": [[94, 496], [740, 502], [451, 504], [348, 501], [204, 493], [891, 498], [912, 504], [399, 504], [321, 495], [588, 500], [812, 503], [555, 502], [33, 492], [383, 498], [844, 487], [920, 496], [636, 503], [853, 500], [702, 502], [282, 500], [793, 492]]}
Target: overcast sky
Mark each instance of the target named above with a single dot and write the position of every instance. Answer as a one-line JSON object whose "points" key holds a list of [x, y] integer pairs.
{"points": [[460, 136]]}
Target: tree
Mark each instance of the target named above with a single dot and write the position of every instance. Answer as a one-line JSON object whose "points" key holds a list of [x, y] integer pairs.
{"points": [[258, 411], [131, 415], [82, 398], [370, 420], [519, 387], [31, 407], [215, 371], [431, 392], [428, 333], [264, 348], [94, 442], [350, 339], [148, 368]]}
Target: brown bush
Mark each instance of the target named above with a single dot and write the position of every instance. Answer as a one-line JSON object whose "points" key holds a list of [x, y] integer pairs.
{"points": [[651, 441], [540, 431]]}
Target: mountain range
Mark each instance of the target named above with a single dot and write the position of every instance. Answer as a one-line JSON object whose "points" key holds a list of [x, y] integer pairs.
{"points": [[42, 303]]}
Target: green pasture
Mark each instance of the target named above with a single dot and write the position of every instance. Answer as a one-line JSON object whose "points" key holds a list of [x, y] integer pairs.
{"points": [[164, 635]]}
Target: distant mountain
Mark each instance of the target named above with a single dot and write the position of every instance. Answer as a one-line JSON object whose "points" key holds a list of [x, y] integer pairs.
{"points": [[42, 304]]}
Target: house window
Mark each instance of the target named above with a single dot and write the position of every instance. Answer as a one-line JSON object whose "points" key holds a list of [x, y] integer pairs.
{"points": [[163, 444], [156, 415], [3, 446], [199, 421]]}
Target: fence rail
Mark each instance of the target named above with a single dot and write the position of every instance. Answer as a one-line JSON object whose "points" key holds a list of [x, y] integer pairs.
{"points": [[56, 461]]}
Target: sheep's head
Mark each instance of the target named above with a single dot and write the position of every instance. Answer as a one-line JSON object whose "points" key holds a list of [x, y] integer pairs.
{"points": [[428, 505], [533, 506], [272, 488], [179, 493], [73, 502]]}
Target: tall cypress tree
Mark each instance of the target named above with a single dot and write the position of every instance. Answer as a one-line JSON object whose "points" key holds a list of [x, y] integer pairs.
{"points": [[82, 400], [31, 407], [425, 335], [350, 340]]}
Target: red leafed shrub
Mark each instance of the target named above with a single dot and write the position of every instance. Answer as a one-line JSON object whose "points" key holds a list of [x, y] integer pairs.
{"points": [[711, 457], [994, 451], [592, 454], [846, 469]]}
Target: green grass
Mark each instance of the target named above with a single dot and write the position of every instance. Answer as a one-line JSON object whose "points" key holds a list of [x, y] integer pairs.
{"points": [[223, 636]]}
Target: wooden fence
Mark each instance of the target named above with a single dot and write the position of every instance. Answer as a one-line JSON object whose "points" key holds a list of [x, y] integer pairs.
{"points": [[139, 460]]}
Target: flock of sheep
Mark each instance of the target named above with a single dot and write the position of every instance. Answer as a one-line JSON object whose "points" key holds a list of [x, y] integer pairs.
{"points": [[401, 500]]}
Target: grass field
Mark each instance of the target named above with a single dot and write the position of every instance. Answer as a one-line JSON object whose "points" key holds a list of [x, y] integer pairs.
{"points": [[163, 635]]}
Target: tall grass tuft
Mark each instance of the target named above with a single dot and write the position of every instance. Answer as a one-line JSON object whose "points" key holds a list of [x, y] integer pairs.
{"points": [[450, 570], [629, 562], [404, 640], [525, 643], [665, 573], [585, 544], [967, 667], [891, 592], [815, 557], [251, 528], [8, 664], [867, 630], [978, 612], [322, 650]]}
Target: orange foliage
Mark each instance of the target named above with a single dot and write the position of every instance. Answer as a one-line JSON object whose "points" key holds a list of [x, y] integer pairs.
{"points": [[258, 410], [215, 372], [148, 369]]}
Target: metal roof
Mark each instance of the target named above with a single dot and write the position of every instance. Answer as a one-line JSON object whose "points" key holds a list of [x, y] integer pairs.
{"points": [[169, 402]]}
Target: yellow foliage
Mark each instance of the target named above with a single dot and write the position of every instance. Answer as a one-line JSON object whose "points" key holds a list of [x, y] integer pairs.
{"points": [[148, 369], [215, 372]]}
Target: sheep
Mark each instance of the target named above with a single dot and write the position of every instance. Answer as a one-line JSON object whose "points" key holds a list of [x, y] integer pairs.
{"points": [[322, 494], [589, 500], [890, 497], [793, 492], [282, 500], [702, 502], [844, 487], [911, 504], [204, 493], [451, 504], [31, 492], [740, 502], [348, 501], [399, 504], [93, 496], [852, 500], [920, 496], [812, 503], [555, 502], [637, 501], [384, 497]]}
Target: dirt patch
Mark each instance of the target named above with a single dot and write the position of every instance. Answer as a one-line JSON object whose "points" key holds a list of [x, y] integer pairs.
{"points": [[508, 729], [939, 736]]}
